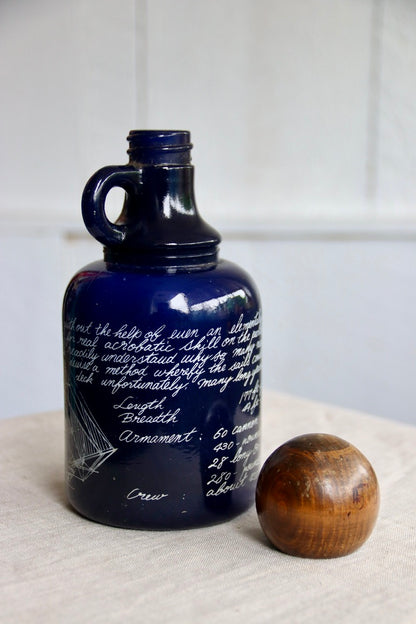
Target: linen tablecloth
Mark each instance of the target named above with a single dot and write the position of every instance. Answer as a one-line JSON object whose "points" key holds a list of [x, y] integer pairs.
{"points": [[58, 567]]}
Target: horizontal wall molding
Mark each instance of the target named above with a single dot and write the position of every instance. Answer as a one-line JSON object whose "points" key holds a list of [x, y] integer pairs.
{"points": [[262, 230], [323, 231]]}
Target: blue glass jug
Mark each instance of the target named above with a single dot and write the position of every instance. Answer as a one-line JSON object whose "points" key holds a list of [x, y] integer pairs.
{"points": [[161, 355]]}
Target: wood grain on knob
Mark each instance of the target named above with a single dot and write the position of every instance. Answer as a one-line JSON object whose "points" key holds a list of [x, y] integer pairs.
{"points": [[317, 496]]}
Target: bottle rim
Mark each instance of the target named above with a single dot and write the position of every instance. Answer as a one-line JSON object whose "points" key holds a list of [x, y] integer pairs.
{"points": [[160, 139]]}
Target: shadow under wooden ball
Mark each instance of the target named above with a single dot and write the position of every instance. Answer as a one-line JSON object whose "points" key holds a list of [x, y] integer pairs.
{"points": [[317, 496]]}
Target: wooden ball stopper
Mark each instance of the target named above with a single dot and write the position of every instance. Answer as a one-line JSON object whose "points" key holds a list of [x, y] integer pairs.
{"points": [[317, 496]]}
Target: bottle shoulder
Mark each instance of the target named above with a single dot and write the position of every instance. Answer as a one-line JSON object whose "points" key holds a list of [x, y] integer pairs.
{"points": [[222, 278], [100, 268]]}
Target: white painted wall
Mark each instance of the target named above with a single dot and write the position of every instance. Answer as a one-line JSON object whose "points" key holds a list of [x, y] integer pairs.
{"points": [[302, 115]]}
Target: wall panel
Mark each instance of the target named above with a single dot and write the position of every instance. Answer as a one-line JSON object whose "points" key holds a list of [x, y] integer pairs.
{"points": [[396, 165], [68, 100], [276, 94], [338, 315]]}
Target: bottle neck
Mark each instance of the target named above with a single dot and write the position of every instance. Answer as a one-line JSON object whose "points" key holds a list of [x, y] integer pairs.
{"points": [[163, 226], [166, 196]]}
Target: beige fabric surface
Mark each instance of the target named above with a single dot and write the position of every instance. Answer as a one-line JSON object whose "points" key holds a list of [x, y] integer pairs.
{"points": [[57, 567]]}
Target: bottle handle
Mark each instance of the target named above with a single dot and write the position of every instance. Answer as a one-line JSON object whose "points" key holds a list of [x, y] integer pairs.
{"points": [[93, 201]]}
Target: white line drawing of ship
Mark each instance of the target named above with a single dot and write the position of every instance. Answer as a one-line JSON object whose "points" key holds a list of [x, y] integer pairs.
{"points": [[90, 446]]}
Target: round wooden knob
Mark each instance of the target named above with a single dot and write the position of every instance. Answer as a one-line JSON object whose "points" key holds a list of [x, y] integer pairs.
{"points": [[317, 496]]}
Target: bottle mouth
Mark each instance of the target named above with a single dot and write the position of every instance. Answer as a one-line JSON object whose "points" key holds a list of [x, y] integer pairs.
{"points": [[160, 147]]}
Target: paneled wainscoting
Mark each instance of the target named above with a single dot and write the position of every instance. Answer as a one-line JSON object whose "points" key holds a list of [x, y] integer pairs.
{"points": [[339, 310]]}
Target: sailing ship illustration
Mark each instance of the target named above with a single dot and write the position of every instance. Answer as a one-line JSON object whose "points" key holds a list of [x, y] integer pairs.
{"points": [[89, 446]]}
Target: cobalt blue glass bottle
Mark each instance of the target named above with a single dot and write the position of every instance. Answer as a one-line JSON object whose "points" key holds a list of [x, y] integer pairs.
{"points": [[161, 355]]}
